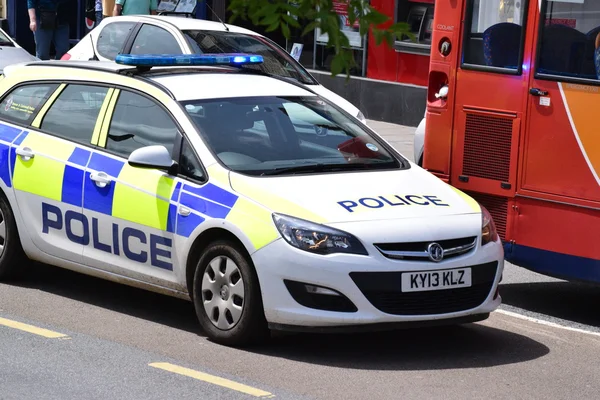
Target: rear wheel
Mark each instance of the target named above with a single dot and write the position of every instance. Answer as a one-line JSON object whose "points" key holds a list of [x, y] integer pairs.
{"points": [[11, 253], [227, 296]]}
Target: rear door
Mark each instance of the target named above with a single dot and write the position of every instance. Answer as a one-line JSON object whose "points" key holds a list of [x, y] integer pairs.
{"points": [[49, 160], [491, 98]]}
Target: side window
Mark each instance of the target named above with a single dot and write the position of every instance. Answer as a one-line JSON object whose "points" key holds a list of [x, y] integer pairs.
{"points": [[138, 122], [74, 113], [154, 40], [189, 164], [494, 34], [112, 38], [570, 39], [22, 104]]}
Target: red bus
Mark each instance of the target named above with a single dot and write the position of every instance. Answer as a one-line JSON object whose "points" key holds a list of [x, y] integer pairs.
{"points": [[513, 120]]}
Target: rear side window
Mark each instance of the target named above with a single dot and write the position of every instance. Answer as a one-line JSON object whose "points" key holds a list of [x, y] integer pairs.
{"points": [[154, 40], [570, 39], [23, 103], [74, 114], [495, 35], [112, 38]]}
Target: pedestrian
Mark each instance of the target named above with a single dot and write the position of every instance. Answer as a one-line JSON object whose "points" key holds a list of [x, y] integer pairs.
{"points": [[135, 7], [107, 8], [98, 9], [49, 22]]}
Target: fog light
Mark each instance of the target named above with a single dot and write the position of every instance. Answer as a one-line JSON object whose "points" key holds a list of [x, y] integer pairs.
{"points": [[319, 290]]}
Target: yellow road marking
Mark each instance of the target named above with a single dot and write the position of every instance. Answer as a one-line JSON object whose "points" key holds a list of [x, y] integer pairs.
{"points": [[31, 329], [215, 380]]}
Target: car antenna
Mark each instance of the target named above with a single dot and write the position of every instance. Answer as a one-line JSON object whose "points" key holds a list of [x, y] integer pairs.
{"points": [[215, 14]]}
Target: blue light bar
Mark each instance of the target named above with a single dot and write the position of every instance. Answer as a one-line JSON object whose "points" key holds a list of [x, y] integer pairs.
{"points": [[163, 60]]}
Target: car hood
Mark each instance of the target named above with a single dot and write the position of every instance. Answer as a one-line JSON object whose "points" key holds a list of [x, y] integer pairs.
{"points": [[13, 55], [356, 196]]}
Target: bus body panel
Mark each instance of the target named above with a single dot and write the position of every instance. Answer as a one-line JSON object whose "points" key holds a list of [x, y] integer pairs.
{"points": [[524, 145]]}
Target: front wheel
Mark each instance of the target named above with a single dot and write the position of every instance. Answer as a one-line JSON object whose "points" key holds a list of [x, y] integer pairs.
{"points": [[227, 296], [12, 257]]}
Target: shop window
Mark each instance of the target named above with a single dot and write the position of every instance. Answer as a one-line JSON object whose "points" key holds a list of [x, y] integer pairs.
{"points": [[419, 16], [494, 35], [570, 40]]}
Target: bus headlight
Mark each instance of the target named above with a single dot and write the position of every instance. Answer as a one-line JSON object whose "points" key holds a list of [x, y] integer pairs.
{"points": [[316, 238], [488, 228]]}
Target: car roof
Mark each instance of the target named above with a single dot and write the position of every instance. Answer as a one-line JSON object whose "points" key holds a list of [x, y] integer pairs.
{"points": [[182, 83], [214, 85], [183, 23]]}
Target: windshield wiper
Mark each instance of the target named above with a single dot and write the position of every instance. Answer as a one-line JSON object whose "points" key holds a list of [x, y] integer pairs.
{"points": [[320, 167]]}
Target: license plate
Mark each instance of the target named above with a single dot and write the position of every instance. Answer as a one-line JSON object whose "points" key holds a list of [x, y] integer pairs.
{"points": [[436, 280]]}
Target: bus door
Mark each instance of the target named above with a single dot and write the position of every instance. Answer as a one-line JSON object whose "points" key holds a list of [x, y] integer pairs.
{"points": [[491, 100], [561, 150]]}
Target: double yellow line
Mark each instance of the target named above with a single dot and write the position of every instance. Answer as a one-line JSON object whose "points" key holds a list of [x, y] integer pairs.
{"points": [[32, 329], [201, 376]]}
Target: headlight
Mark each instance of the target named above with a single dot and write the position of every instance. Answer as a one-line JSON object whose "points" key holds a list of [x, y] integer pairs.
{"points": [[488, 228], [316, 238], [361, 117]]}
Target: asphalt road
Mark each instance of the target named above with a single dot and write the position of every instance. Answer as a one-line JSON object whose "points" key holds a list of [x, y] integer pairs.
{"points": [[91, 339]]}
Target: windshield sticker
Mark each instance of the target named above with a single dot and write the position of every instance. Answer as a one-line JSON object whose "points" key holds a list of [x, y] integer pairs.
{"points": [[372, 147], [391, 201]]}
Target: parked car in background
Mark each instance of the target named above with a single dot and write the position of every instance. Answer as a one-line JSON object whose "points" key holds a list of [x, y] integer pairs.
{"points": [[150, 34], [11, 52]]}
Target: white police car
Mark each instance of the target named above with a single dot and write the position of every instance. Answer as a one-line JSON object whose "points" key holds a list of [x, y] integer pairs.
{"points": [[186, 175]]}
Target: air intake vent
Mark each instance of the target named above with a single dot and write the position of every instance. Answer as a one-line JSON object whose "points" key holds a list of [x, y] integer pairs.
{"points": [[487, 147], [498, 207]]}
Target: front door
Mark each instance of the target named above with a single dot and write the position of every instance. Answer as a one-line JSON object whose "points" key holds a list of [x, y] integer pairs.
{"points": [[132, 210], [562, 147], [490, 101]]}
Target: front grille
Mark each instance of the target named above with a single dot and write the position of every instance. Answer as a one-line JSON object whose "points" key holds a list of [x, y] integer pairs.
{"points": [[487, 148], [383, 290], [498, 207], [417, 251]]}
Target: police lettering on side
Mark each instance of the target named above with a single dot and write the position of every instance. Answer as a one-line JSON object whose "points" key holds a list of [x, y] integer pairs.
{"points": [[87, 231]]}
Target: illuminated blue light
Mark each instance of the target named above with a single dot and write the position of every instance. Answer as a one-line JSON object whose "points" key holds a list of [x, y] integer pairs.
{"points": [[156, 60]]}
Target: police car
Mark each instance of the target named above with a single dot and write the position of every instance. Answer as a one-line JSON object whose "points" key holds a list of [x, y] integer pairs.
{"points": [[186, 175]]}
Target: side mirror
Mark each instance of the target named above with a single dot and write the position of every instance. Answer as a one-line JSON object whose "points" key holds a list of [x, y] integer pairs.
{"points": [[156, 157]]}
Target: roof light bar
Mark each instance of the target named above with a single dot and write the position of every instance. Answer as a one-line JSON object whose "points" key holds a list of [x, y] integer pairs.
{"points": [[162, 60]]}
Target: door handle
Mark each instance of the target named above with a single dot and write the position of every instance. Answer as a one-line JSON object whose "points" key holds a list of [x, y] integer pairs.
{"points": [[538, 92], [25, 153], [100, 178]]}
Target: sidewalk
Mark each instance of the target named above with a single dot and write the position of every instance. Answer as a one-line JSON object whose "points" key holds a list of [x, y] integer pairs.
{"points": [[399, 136]]}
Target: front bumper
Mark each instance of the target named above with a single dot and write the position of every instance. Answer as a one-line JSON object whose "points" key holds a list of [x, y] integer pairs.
{"points": [[371, 285]]}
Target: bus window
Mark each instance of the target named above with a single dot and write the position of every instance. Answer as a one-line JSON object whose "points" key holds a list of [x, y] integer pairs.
{"points": [[494, 35], [570, 39]]}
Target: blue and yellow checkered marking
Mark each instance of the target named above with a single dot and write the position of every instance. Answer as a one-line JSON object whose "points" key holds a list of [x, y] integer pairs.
{"points": [[61, 171]]}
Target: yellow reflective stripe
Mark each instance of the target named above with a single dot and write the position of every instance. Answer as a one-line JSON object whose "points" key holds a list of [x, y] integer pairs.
{"points": [[43, 174], [101, 116], [141, 196], [108, 118], [468, 199], [37, 122], [255, 221]]}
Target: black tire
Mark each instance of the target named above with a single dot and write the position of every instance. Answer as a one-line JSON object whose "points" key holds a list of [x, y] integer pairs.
{"points": [[12, 258], [420, 163], [251, 327]]}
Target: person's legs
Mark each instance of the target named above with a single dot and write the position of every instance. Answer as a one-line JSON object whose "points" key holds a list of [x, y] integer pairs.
{"points": [[43, 38], [98, 17], [61, 40]]}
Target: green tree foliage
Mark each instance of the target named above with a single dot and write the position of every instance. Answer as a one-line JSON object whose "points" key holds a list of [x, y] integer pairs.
{"points": [[284, 15]]}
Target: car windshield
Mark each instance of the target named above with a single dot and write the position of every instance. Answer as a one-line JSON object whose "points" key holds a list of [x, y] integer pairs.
{"points": [[276, 61], [287, 135]]}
